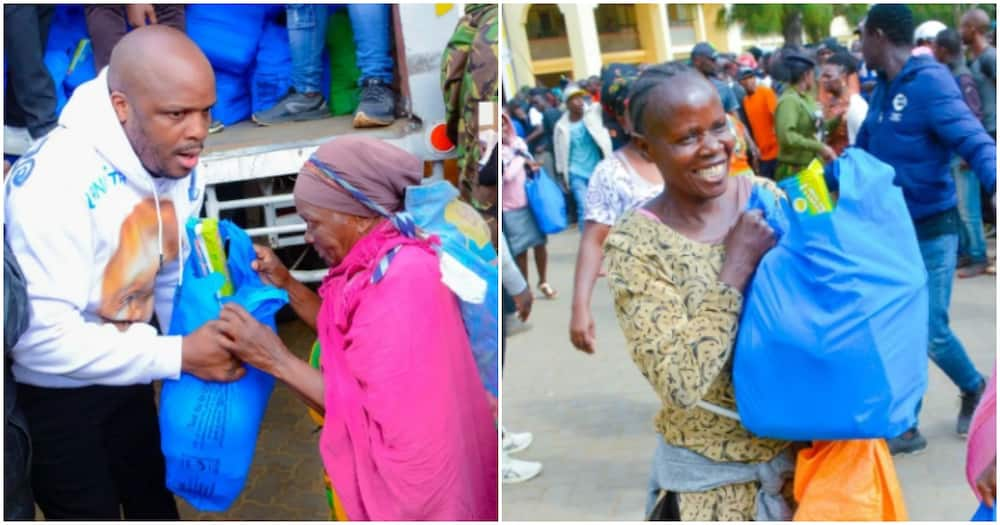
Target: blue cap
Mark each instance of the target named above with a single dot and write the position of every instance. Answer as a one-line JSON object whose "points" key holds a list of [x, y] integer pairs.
{"points": [[704, 49]]}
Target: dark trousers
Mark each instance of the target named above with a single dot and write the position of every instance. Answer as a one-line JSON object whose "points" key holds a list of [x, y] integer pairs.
{"points": [[30, 99], [96, 453], [18, 503], [107, 24], [767, 168]]}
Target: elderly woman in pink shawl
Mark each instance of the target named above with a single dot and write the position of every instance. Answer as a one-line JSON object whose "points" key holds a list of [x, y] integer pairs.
{"points": [[981, 457], [408, 431]]}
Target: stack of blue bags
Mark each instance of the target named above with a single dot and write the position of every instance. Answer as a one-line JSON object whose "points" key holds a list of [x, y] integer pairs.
{"points": [[230, 36], [68, 54], [246, 45], [250, 53]]}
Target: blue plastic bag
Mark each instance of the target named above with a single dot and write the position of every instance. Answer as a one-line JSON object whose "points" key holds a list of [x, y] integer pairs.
{"points": [[227, 34], [208, 430], [832, 342], [436, 209], [270, 79], [232, 98], [68, 28], [984, 513], [547, 202]]}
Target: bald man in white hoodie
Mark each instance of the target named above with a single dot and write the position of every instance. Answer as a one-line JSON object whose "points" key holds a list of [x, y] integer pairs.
{"points": [[94, 213]]}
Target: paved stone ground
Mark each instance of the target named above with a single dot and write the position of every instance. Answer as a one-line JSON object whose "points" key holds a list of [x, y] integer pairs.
{"points": [[592, 415], [286, 479]]}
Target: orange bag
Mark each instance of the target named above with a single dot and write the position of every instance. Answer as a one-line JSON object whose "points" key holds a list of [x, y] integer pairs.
{"points": [[848, 481]]}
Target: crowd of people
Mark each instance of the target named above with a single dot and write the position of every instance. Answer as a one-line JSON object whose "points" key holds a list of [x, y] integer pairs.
{"points": [[665, 210]]}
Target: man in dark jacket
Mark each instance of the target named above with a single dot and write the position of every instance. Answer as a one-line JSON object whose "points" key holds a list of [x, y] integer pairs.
{"points": [[971, 239], [916, 119]]}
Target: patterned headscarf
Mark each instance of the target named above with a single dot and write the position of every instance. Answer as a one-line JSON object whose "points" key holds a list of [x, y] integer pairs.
{"points": [[615, 85], [378, 170]]}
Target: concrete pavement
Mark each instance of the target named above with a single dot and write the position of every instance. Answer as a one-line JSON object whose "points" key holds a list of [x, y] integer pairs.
{"points": [[592, 415]]}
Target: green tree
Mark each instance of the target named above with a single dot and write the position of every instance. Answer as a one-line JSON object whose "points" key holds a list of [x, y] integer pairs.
{"points": [[792, 20], [948, 14]]}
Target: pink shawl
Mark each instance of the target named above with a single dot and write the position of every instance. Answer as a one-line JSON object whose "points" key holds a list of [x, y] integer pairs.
{"points": [[408, 434], [982, 443]]}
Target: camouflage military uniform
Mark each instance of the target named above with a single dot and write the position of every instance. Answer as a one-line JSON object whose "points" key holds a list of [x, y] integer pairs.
{"points": [[468, 77]]}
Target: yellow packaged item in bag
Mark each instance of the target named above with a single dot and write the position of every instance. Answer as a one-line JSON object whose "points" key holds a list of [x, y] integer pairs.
{"points": [[808, 192]]}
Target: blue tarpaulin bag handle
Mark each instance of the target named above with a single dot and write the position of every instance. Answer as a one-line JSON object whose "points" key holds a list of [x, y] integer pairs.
{"points": [[547, 202], [208, 430], [835, 316], [428, 204], [984, 513]]}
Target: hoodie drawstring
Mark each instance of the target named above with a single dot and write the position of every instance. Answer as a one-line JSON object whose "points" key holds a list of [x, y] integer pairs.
{"points": [[159, 222]]}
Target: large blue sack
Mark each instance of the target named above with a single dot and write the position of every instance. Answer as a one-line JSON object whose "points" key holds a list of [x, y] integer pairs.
{"points": [[832, 342], [227, 34], [271, 75], [232, 98], [984, 513], [436, 209], [209, 430], [67, 29], [547, 202]]}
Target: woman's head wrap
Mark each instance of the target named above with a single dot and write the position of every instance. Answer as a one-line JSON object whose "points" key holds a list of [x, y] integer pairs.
{"points": [[377, 170]]}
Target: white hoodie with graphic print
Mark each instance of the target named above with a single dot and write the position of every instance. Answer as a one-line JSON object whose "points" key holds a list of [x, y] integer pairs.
{"points": [[90, 227]]}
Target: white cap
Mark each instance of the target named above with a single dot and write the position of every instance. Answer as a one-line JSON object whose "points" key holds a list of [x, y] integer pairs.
{"points": [[928, 31]]}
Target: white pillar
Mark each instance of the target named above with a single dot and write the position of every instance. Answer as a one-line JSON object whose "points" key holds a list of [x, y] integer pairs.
{"points": [[702, 32], [664, 16], [516, 42], [581, 29], [734, 38]]}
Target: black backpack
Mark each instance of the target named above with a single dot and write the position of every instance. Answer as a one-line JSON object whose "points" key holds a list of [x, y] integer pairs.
{"points": [[18, 501]]}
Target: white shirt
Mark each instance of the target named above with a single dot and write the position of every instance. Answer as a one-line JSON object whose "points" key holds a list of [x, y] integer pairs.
{"points": [[534, 117], [857, 109]]}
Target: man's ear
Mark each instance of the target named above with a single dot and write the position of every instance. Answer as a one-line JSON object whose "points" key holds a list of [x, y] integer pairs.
{"points": [[121, 106]]}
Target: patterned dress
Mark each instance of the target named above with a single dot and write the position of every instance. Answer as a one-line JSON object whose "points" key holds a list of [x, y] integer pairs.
{"points": [[615, 188], [680, 324]]}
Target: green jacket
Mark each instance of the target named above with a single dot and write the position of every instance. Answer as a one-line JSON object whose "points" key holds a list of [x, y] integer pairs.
{"points": [[795, 126]]}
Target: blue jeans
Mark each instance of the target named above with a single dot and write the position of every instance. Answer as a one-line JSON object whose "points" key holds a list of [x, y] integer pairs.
{"points": [[307, 38], [372, 24], [972, 240], [578, 187], [944, 348]]}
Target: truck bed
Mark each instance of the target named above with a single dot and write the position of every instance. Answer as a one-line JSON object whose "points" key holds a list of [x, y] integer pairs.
{"points": [[247, 138], [247, 151]]}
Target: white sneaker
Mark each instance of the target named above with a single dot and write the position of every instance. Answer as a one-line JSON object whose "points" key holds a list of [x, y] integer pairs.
{"points": [[519, 471], [516, 441], [16, 140], [515, 326]]}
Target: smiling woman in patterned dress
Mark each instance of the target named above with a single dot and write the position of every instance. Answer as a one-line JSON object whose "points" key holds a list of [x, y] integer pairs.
{"points": [[678, 266]]}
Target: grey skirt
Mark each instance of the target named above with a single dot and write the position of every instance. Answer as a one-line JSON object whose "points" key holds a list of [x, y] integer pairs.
{"points": [[521, 230]]}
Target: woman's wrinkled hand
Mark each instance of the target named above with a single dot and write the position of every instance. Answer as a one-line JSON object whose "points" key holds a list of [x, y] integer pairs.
{"points": [[250, 341], [746, 243], [270, 268]]}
